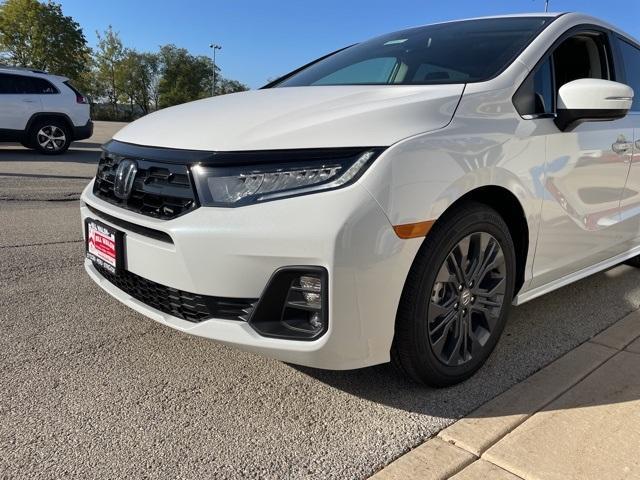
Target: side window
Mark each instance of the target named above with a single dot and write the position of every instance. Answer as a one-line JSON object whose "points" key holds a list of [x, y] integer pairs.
{"points": [[585, 55], [631, 59], [582, 56], [40, 85], [536, 95], [6, 84], [22, 84]]}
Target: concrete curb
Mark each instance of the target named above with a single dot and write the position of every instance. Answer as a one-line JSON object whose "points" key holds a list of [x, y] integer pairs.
{"points": [[465, 450]]}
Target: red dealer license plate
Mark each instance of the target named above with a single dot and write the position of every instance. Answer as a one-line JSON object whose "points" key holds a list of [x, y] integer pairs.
{"points": [[104, 245]]}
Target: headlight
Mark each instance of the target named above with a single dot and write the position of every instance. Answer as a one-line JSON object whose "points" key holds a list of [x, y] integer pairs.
{"points": [[236, 186]]}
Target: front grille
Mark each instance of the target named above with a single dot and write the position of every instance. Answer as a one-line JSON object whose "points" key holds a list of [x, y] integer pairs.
{"points": [[184, 305], [160, 190]]}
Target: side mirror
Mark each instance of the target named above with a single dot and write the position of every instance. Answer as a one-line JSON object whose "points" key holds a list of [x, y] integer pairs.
{"points": [[591, 100]]}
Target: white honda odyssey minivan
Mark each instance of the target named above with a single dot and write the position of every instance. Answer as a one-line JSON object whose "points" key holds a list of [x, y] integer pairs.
{"points": [[389, 201]]}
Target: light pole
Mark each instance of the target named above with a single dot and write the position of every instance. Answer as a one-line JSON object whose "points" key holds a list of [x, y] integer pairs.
{"points": [[214, 47]]}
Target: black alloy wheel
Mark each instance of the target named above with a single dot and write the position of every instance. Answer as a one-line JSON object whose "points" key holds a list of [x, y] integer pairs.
{"points": [[456, 298], [467, 298]]}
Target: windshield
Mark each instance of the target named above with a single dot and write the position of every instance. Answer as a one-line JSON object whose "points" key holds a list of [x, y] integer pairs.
{"points": [[456, 52]]}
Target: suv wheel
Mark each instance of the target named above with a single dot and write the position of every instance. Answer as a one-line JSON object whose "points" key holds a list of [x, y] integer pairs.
{"points": [[50, 137], [457, 297]]}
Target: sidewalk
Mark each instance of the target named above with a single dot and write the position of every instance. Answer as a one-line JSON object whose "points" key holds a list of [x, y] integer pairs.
{"points": [[578, 418]]}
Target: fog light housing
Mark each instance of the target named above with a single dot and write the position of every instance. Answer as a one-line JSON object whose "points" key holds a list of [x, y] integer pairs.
{"points": [[294, 305]]}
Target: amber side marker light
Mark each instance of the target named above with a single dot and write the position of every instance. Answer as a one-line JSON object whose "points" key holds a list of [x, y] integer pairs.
{"points": [[413, 230]]}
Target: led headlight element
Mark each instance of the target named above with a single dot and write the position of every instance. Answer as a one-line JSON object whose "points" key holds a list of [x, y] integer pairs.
{"points": [[235, 186]]}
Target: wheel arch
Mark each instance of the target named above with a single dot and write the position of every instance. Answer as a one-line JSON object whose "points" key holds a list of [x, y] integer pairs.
{"points": [[507, 204], [36, 117]]}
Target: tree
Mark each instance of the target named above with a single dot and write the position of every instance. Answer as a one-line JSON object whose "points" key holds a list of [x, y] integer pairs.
{"points": [[87, 82], [109, 57], [38, 35], [139, 79], [184, 77], [230, 86], [154, 87]]}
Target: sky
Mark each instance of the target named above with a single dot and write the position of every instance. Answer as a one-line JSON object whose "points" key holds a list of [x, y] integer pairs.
{"points": [[262, 40]]}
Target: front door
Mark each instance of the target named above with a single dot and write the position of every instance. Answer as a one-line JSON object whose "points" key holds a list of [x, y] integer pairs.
{"points": [[585, 171], [630, 205], [18, 102]]}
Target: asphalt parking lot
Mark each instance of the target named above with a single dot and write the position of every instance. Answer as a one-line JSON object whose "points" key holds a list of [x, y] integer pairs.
{"points": [[91, 389]]}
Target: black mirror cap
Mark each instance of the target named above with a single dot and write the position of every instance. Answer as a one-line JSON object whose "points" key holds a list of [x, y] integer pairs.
{"points": [[566, 120]]}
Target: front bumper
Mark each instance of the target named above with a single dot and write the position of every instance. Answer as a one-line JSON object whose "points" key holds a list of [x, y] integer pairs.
{"points": [[234, 252]]}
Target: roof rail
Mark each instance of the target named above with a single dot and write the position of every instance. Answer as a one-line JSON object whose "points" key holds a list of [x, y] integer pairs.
{"points": [[24, 69]]}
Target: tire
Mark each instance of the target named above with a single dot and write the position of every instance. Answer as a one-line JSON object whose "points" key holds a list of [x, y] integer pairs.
{"points": [[26, 145], [50, 137], [444, 331]]}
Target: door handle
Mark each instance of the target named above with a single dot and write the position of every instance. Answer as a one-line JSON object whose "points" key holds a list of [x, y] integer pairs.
{"points": [[622, 147], [28, 101]]}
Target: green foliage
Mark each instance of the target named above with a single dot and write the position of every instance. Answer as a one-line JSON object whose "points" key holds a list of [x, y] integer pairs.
{"points": [[132, 83], [38, 35], [225, 86], [140, 79], [149, 81], [87, 82], [184, 77], [108, 72]]}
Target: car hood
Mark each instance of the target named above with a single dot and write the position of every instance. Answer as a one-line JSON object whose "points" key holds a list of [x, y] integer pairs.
{"points": [[298, 117]]}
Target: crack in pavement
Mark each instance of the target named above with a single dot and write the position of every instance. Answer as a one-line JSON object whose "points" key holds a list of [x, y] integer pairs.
{"points": [[39, 244]]}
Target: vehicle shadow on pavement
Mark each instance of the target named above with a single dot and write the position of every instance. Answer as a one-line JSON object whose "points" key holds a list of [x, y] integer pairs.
{"points": [[537, 333], [77, 153]]}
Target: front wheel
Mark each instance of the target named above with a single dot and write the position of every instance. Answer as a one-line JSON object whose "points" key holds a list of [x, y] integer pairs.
{"points": [[456, 298]]}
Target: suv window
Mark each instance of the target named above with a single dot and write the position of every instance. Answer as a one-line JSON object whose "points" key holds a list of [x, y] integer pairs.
{"points": [[21, 84], [42, 86], [6, 84], [584, 55], [631, 59]]}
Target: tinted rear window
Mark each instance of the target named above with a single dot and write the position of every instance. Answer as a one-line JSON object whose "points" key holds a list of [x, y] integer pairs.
{"points": [[455, 52], [40, 85]]}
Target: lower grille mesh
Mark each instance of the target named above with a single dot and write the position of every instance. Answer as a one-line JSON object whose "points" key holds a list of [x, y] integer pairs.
{"points": [[184, 305]]}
